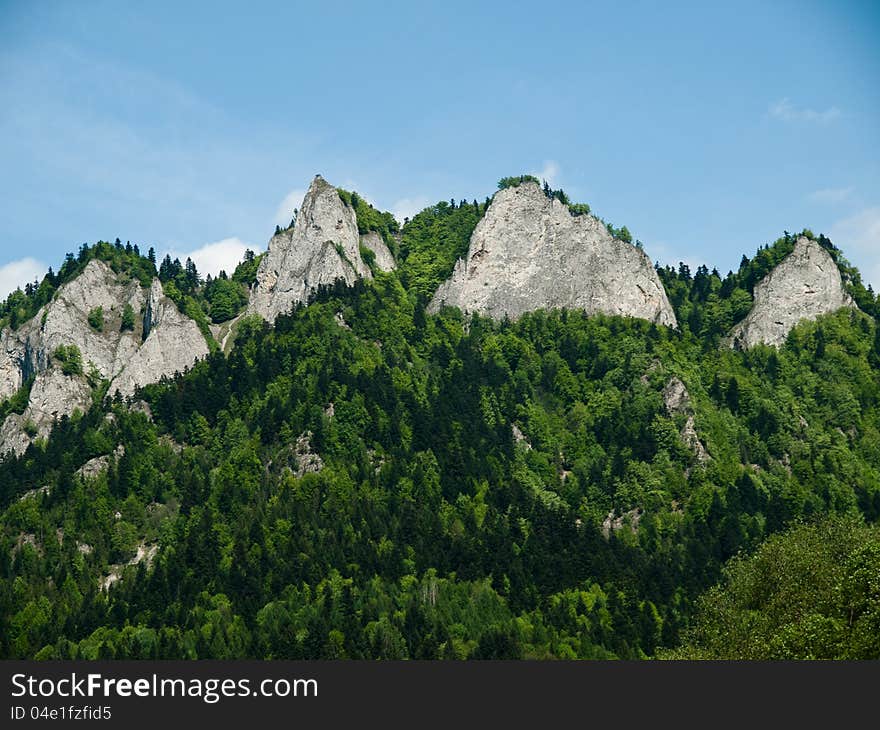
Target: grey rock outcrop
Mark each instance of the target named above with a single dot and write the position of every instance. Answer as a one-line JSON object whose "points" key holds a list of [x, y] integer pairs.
{"points": [[53, 395], [384, 258], [64, 321], [307, 460], [529, 252], [804, 285], [173, 343], [322, 246], [677, 400], [162, 342]]}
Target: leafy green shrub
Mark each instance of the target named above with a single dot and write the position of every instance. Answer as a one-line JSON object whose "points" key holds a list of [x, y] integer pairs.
{"points": [[96, 319], [246, 272], [810, 593], [225, 298], [17, 402], [70, 359], [516, 180], [127, 318]]}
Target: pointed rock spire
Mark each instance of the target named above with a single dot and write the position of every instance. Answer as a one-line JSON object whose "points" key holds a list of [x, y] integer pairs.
{"points": [[322, 246]]}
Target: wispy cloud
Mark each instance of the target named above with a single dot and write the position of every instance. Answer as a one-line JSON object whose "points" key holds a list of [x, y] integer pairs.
{"points": [[291, 201], [550, 172], [408, 207], [117, 153], [16, 274], [858, 236], [213, 257], [788, 112], [831, 195]]}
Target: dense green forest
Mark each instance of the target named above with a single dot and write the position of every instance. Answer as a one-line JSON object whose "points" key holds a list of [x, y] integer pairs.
{"points": [[366, 480]]}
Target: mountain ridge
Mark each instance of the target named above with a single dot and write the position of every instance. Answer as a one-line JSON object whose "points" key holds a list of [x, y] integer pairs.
{"points": [[530, 249]]}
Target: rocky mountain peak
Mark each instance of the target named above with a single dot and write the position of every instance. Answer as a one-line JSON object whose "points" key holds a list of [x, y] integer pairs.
{"points": [[322, 246], [80, 332], [530, 252], [804, 285]]}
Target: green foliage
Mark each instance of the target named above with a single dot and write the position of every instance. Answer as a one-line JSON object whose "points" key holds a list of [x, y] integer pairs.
{"points": [[369, 258], [225, 298], [812, 592], [127, 322], [96, 319], [433, 241], [622, 233], [18, 401], [516, 180], [371, 219], [246, 272], [70, 359]]}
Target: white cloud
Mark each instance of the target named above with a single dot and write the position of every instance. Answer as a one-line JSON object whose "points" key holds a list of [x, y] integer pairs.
{"points": [[788, 112], [212, 257], [831, 195], [550, 172], [18, 273], [859, 238], [286, 207], [408, 207]]}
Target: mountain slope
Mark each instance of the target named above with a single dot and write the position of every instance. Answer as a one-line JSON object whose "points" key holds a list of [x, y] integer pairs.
{"points": [[363, 478]]}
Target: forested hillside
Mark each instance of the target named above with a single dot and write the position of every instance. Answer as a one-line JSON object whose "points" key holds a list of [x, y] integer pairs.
{"points": [[366, 480]]}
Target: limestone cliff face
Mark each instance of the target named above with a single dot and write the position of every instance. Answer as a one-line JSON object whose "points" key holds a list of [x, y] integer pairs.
{"points": [[529, 252], [162, 342], [64, 321], [384, 258], [322, 246], [805, 285], [173, 342], [53, 395]]}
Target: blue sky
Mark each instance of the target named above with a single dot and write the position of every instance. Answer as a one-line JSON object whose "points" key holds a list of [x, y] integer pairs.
{"points": [[192, 128]]}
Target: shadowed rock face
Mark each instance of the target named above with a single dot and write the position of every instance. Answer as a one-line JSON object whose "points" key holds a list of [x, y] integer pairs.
{"points": [[164, 342], [384, 257], [529, 253], [322, 246], [805, 285]]}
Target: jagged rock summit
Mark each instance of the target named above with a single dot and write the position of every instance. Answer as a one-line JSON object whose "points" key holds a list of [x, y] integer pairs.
{"points": [[322, 246], [804, 285], [530, 252], [163, 341]]}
